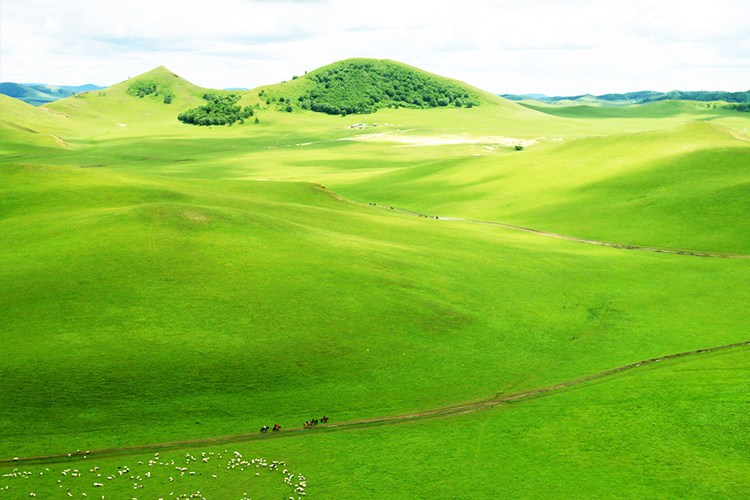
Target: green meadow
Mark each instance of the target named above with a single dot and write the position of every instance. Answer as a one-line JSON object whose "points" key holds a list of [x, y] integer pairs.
{"points": [[168, 283]]}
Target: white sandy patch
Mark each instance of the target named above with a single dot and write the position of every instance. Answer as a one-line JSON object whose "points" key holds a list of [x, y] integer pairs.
{"points": [[123, 124], [440, 140]]}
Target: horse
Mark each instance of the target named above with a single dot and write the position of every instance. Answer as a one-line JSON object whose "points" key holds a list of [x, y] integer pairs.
{"points": [[264, 428]]}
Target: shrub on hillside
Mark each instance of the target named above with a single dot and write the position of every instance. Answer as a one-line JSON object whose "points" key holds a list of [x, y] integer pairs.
{"points": [[142, 88], [220, 110]]}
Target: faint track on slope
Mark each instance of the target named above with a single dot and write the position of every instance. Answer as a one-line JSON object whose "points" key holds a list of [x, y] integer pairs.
{"points": [[621, 246], [375, 422]]}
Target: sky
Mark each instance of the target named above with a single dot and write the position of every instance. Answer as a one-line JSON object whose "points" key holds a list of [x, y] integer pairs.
{"points": [[551, 47]]}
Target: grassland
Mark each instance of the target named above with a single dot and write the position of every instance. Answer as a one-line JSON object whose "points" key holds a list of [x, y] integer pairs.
{"points": [[166, 293]]}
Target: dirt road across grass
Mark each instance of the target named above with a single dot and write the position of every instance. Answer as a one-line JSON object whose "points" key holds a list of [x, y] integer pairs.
{"points": [[391, 420], [675, 251]]}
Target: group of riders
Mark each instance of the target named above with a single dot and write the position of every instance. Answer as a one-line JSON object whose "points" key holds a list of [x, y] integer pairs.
{"points": [[308, 424], [276, 427], [315, 421]]}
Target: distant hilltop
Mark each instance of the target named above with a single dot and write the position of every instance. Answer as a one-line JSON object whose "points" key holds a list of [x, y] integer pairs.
{"points": [[640, 97], [37, 94]]}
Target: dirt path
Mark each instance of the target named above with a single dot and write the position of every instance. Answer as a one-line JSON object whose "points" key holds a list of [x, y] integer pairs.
{"points": [[674, 251], [392, 420]]}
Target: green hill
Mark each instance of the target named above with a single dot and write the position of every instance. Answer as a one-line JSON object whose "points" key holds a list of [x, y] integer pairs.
{"points": [[361, 86], [155, 97], [29, 129]]}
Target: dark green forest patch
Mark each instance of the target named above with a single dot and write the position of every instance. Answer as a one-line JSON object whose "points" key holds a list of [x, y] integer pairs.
{"points": [[358, 87], [220, 110]]}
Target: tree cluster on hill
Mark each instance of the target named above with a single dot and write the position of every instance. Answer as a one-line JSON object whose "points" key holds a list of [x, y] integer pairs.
{"points": [[641, 96], [220, 110], [359, 87], [740, 107], [704, 95], [142, 88]]}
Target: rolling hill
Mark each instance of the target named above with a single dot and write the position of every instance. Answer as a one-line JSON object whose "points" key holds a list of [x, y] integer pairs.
{"points": [[363, 86], [123, 101]]}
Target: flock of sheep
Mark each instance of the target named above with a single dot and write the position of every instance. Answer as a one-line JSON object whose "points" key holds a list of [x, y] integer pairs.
{"points": [[93, 482]]}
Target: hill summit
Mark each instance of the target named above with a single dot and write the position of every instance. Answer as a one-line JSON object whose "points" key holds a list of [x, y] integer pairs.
{"points": [[358, 86]]}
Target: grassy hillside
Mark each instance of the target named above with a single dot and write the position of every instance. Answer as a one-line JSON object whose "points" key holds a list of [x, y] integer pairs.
{"points": [[28, 130], [680, 187], [167, 282], [651, 110], [363, 86], [236, 303], [121, 104], [670, 429]]}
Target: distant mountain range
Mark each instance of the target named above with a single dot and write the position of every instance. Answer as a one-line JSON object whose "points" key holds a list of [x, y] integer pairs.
{"points": [[638, 97], [40, 93]]}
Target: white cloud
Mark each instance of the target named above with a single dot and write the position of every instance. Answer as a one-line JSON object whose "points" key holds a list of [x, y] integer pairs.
{"points": [[546, 46]]}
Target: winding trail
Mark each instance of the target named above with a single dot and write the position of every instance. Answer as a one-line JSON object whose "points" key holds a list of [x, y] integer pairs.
{"points": [[392, 420], [694, 253]]}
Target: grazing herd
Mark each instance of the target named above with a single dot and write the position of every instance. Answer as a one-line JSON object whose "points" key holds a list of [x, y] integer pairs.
{"points": [[147, 480], [72, 482]]}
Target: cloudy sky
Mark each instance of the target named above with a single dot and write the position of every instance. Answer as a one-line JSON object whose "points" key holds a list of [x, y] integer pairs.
{"points": [[508, 46]]}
